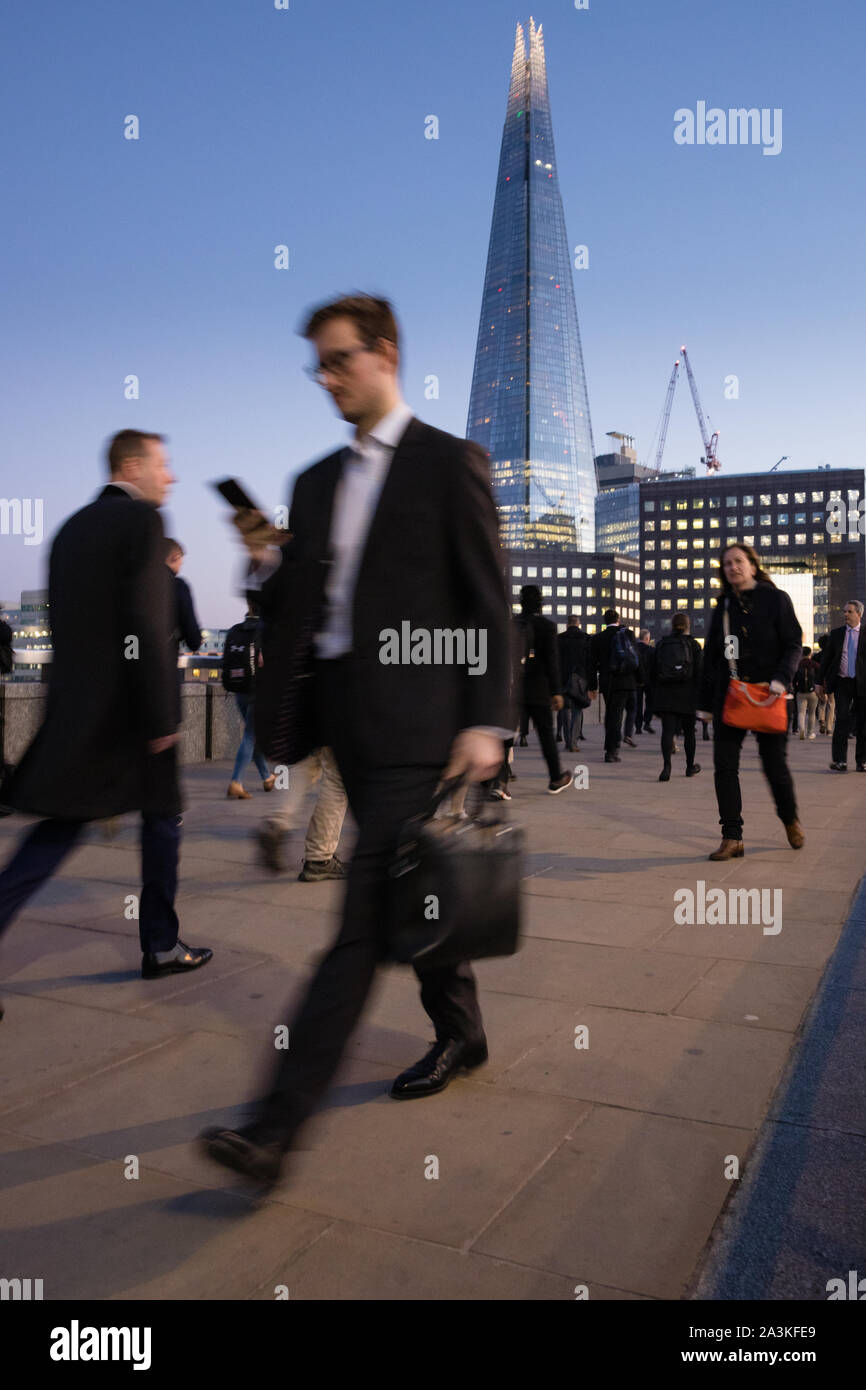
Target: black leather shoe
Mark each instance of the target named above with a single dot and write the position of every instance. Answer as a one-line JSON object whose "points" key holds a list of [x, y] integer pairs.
{"points": [[244, 1153], [174, 962], [693, 770], [438, 1068], [861, 767], [612, 758], [838, 767]]}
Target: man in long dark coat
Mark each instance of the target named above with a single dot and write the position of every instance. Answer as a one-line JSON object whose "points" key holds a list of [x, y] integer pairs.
{"points": [[108, 744]]}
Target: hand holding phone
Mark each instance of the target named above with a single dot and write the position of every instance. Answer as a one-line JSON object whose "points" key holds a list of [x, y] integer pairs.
{"points": [[256, 531]]}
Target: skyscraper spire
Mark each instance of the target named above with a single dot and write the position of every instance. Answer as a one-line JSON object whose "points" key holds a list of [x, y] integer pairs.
{"points": [[528, 406]]}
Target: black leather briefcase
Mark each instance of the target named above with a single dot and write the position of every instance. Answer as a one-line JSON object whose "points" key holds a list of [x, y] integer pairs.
{"points": [[454, 886]]}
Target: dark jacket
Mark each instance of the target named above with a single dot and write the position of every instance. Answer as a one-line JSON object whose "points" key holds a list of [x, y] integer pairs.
{"points": [[188, 629], [675, 697], [6, 640], [808, 668], [770, 642], [541, 676], [107, 585], [431, 558], [573, 647], [831, 658], [600, 675]]}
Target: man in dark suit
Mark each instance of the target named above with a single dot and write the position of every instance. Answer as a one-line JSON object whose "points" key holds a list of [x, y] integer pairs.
{"points": [[842, 673], [573, 651], [541, 683], [615, 674], [108, 742], [390, 538]]}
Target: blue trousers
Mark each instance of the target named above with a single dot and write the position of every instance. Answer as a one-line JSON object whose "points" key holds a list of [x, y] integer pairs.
{"points": [[247, 749], [45, 847]]}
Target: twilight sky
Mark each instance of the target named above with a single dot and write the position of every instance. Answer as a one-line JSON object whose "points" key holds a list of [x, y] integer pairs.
{"points": [[305, 126]]}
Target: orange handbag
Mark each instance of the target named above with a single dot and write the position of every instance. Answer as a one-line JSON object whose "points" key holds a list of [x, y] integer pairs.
{"points": [[750, 705]]}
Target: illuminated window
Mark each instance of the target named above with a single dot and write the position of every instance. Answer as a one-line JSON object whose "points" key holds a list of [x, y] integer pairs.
{"points": [[517, 571], [649, 526], [800, 538], [782, 499], [817, 497], [766, 499], [749, 501], [532, 572], [576, 574], [714, 523], [799, 497], [547, 572]]}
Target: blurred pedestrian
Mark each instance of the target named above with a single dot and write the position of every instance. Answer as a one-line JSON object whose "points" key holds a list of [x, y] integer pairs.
{"points": [[108, 744]]}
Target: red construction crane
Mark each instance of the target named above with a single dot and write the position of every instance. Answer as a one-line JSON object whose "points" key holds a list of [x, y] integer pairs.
{"points": [[711, 442]]}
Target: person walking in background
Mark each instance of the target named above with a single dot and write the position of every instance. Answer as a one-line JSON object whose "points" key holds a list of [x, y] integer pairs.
{"points": [[613, 670], [325, 825], [642, 703], [187, 625], [768, 642], [675, 677], [805, 697], [108, 744], [826, 703], [240, 658], [542, 682], [573, 652], [842, 674]]}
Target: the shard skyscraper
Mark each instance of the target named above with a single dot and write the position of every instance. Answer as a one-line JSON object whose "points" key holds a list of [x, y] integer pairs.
{"points": [[529, 407]]}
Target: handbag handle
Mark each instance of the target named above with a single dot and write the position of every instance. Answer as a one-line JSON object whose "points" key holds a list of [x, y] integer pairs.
{"points": [[446, 790], [759, 704]]}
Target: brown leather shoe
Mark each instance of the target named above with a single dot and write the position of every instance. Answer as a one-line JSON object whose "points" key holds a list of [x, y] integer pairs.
{"points": [[794, 832], [268, 784], [729, 849], [237, 793]]}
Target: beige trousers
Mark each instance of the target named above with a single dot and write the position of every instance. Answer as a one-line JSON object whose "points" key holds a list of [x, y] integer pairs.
{"points": [[326, 822]]}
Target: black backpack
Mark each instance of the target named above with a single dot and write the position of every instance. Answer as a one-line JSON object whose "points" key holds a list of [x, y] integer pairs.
{"points": [[674, 663], [623, 653], [239, 657], [804, 678]]}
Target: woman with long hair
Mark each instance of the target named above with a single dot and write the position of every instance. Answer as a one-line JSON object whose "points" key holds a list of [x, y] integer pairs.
{"points": [[767, 648]]}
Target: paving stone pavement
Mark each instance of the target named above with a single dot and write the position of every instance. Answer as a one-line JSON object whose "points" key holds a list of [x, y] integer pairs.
{"points": [[560, 1164]]}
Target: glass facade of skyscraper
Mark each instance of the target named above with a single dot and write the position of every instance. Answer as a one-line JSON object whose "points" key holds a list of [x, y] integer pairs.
{"points": [[528, 407]]}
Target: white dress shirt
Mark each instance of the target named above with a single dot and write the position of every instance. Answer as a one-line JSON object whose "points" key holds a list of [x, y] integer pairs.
{"points": [[364, 471]]}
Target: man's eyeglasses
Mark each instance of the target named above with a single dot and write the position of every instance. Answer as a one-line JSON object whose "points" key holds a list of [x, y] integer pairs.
{"points": [[336, 363]]}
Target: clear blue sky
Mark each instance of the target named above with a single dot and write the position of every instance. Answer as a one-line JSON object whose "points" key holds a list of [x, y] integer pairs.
{"points": [[306, 127]]}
